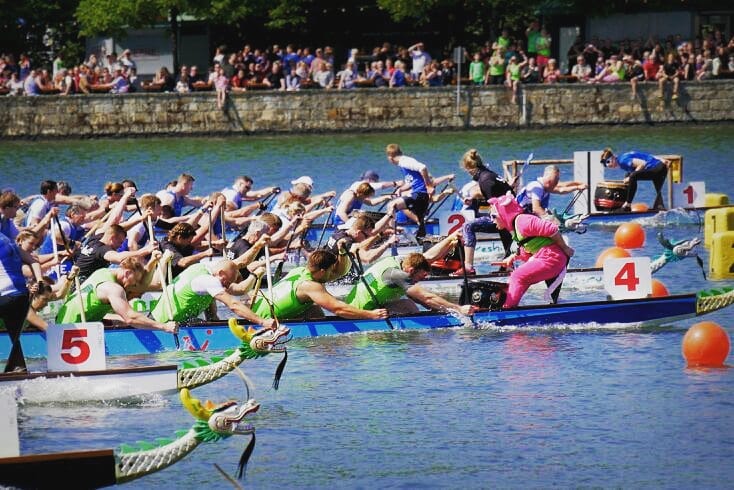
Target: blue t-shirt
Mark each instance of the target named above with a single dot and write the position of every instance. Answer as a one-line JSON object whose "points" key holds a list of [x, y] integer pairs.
{"points": [[535, 190], [12, 282], [625, 161]]}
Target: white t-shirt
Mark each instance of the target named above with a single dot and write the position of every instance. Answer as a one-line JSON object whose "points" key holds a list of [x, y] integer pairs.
{"points": [[203, 285]]}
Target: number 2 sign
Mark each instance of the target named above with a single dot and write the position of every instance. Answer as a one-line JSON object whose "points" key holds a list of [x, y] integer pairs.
{"points": [[628, 277], [76, 347], [450, 221], [689, 195]]}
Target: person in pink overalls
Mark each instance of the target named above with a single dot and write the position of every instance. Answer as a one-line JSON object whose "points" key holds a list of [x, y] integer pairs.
{"points": [[541, 248]]}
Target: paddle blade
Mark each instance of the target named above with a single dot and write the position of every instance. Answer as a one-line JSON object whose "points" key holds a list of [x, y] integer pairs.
{"points": [[242, 466], [279, 370]]}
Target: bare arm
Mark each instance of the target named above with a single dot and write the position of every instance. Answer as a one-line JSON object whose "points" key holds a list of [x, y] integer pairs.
{"points": [[317, 293], [435, 302], [115, 295], [239, 309]]}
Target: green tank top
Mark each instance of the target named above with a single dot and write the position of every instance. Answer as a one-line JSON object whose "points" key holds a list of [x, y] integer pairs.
{"points": [[360, 298], [533, 244], [185, 302], [621, 72], [542, 46], [94, 308], [497, 69], [285, 301], [514, 72]]}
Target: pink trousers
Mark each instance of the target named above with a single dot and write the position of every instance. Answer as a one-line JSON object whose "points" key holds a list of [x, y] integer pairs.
{"points": [[544, 265]]}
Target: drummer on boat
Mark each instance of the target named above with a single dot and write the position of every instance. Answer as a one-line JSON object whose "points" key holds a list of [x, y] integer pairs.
{"points": [[639, 166]]}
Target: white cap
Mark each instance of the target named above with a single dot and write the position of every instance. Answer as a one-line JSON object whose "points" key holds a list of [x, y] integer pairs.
{"points": [[304, 179]]}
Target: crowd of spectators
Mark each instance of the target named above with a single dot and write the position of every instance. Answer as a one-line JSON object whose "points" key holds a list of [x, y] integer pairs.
{"points": [[509, 60]]}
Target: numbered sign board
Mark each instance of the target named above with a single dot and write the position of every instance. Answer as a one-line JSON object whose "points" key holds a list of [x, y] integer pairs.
{"points": [[450, 221], [628, 278], [9, 425], [76, 347], [689, 195]]}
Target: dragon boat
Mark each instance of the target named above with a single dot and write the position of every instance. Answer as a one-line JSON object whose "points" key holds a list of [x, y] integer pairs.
{"points": [[101, 468], [131, 382], [214, 336]]}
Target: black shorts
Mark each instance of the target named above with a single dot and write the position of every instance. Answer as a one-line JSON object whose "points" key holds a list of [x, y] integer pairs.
{"points": [[418, 203]]}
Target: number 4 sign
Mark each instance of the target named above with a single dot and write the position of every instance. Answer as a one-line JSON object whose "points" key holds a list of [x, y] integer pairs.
{"points": [[628, 277], [689, 195], [76, 347]]}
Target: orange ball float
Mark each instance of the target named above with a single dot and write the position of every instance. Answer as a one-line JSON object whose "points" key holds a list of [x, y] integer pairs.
{"points": [[629, 235], [705, 344], [639, 207], [658, 289], [611, 253]]}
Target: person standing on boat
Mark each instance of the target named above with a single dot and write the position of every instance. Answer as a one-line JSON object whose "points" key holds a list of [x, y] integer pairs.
{"points": [[105, 292], [639, 166], [15, 297], [391, 278], [489, 185], [541, 248], [196, 288], [535, 196], [417, 179], [302, 292]]}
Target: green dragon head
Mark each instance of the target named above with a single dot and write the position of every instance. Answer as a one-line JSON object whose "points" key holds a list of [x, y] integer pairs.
{"points": [[258, 343]]}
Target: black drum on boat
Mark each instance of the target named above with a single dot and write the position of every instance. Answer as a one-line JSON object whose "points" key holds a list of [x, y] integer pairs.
{"points": [[610, 195], [484, 294]]}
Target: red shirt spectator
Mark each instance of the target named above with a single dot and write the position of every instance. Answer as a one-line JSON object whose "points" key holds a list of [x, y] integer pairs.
{"points": [[651, 67]]}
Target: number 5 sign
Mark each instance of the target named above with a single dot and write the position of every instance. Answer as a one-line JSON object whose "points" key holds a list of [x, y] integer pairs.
{"points": [[689, 195], [628, 278], [76, 347], [450, 221]]}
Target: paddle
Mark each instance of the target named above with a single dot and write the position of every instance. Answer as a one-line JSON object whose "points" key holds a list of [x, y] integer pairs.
{"points": [[357, 264], [268, 276], [224, 227], [573, 201], [465, 296], [82, 313], [165, 296], [279, 270], [525, 165], [323, 229], [271, 304]]}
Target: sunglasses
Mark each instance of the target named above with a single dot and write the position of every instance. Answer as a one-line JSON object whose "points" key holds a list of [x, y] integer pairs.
{"points": [[607, 161], [494, 216]]}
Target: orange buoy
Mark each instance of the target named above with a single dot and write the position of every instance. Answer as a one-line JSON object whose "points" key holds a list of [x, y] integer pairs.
{"points": [[639, 207], [658, 289], [629, 235], [611, 253], [705, 344]]}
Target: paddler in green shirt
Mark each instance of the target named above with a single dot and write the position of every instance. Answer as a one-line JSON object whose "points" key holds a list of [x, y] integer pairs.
{"points": [[391, 278], [302, 291], [196, 287], [104, 292]]}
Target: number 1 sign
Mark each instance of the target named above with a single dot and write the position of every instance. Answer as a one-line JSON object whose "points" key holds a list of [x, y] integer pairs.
{"points": [[628, 277], [689, 195], [76, 347]]}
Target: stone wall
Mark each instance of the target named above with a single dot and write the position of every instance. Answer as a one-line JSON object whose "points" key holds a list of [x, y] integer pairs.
{"points": [[366, 109]]}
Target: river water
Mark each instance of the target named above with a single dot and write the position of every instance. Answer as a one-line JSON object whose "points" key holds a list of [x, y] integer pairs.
{"points": [[563, 405]]}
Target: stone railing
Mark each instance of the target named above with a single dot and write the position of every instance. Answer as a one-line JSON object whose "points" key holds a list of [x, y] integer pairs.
{"points": [[367, 109]]}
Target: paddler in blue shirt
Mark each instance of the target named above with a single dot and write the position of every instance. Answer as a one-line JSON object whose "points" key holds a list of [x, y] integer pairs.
{"points": [[417, 179], [639, 166]]}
